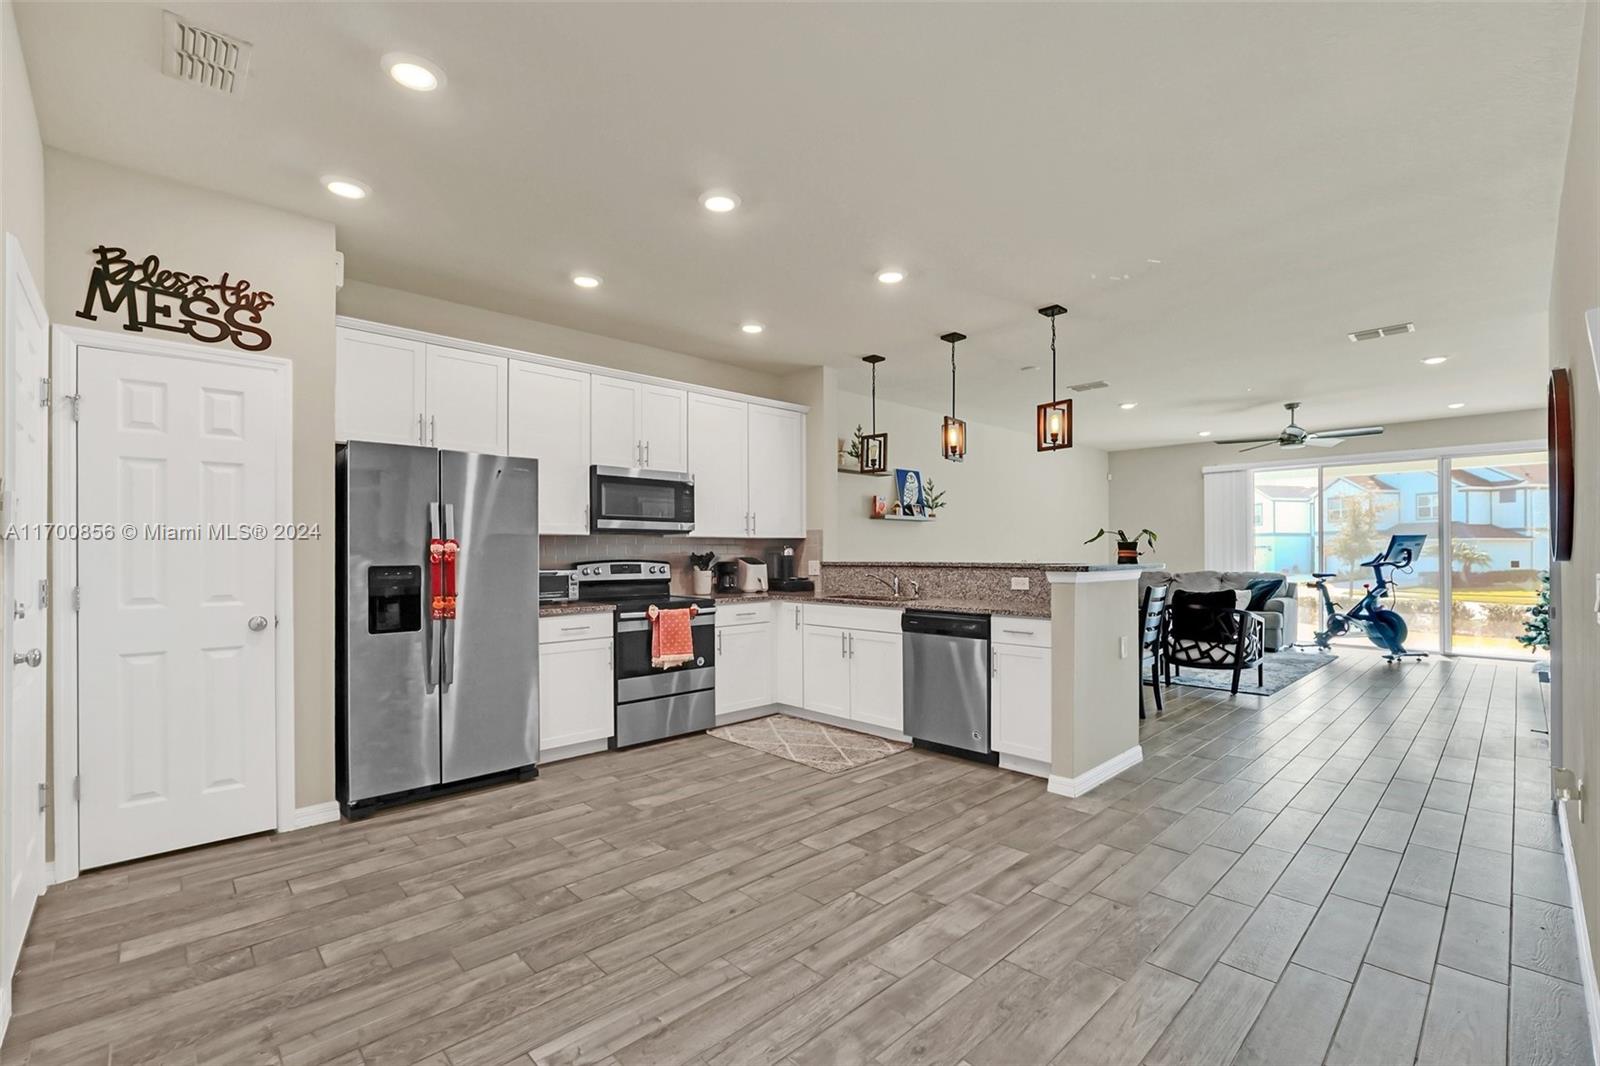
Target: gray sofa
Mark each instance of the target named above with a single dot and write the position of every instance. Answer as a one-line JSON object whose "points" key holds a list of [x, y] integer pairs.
{"points": [[1281, 617]]}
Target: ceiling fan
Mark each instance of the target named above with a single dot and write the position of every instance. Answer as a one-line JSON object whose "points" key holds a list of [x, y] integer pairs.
{"points": [[1294, 436]]}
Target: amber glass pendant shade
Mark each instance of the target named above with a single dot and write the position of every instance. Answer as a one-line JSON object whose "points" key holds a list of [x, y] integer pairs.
{"points": [[1055, 425], [1053, 420], [953, 439]]}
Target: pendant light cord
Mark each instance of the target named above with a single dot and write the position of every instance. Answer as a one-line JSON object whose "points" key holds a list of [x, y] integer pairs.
{"points": [[952, 379], [1054, 395], [874, 399]]}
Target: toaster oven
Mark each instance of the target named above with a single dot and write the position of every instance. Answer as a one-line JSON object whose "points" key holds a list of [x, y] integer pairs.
{"points": [[558, 586]]}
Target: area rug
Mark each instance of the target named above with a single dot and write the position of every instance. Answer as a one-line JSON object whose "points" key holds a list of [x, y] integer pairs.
{"points": [[821, 747], [1282, 669]]}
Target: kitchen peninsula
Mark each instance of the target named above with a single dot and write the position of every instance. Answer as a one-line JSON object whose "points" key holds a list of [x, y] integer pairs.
{"points": [[1064, 655]]}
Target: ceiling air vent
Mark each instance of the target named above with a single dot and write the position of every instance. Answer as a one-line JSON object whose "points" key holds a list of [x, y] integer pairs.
{"points": [[209, 59], [1383, 331], [1088, 386]]}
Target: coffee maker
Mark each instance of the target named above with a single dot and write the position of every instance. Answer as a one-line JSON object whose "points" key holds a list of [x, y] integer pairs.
{"points": [[781, 576]]}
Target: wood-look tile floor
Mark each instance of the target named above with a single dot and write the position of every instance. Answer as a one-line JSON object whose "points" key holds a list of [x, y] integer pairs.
{"points": [[1360, 869]]}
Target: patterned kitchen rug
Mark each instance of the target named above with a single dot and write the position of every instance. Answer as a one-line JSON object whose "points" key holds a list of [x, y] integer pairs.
{"points": [[821, 747]]}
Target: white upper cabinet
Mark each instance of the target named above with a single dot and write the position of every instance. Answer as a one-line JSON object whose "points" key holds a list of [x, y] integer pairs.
{"points": [[549, 421], [380, 392], [614, 422], [466, 400], [638, 425], [719, 455], [664, 427], [777, 472]]}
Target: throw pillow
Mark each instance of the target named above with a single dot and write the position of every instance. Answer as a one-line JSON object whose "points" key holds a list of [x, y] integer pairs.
{"points": [[1261, 590], [1204, 616]]}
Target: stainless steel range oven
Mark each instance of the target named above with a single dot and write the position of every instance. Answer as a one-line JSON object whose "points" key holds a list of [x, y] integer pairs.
{"points": [[653, 703], [626, 500]]}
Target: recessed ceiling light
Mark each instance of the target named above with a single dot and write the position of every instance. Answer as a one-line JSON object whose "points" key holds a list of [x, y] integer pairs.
{"points": [[1130, 405], [720, 202], [346, 189], [752, 327], [586, 281], [891, 277], [1205, 433], [1455, 406], [1435, 360], [413, 72]]}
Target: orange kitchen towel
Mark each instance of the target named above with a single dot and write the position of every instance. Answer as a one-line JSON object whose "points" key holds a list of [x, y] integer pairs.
{"points": [[671, 639]]}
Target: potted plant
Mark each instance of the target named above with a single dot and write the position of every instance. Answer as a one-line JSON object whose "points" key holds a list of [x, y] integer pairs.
{"points": [[1127, 549], [935, 497]]}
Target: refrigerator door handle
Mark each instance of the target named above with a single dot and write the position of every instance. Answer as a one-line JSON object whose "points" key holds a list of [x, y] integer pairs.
{"points": [[435, 626], [447, 663]]}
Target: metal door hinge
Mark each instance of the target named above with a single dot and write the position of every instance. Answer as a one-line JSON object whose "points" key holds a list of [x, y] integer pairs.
{"points": [[77, 599], [77, 789], [44, 392], [1567, 785], [44, 594], [44, 797]]}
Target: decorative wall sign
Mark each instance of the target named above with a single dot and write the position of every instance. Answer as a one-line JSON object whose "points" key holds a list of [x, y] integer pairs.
{"points": [[149, 296]]}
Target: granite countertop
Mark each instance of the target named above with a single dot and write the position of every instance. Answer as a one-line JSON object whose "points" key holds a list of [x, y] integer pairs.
{"points": [[1015, 608], [551, 610], [1075, 567]]}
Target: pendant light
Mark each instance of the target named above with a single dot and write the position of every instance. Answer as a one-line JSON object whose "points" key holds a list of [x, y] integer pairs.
{"points": [[874, 446], [953, 437], [1054, 419]]}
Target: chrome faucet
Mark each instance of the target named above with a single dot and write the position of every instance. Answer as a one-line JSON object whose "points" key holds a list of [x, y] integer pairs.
{"points": [[916, 589], [891, 583]]}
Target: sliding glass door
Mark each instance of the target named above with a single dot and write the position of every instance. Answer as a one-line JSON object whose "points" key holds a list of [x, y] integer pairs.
{"points": [[1488, 515]]}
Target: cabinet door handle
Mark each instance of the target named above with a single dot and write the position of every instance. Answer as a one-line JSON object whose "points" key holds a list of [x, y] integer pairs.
{"points": [[797, 618], [422, 436], [719, 643], [842, 636], [752, 523], [647, 454], [852, 645], [1018, 632], [433, 435], [994, 664], [574, 629]]}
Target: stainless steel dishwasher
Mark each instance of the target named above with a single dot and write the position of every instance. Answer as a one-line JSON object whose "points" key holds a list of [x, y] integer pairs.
{"points": [[946, 656]]}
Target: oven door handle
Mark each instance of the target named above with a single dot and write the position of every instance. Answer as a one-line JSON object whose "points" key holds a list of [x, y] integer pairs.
{"points": [[640, 624]]}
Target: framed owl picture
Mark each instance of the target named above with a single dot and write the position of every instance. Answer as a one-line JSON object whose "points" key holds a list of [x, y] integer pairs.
{"points": [[909, 493]]}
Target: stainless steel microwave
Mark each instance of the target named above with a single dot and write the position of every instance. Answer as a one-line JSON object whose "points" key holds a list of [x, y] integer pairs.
{"points": [[627, 500]]}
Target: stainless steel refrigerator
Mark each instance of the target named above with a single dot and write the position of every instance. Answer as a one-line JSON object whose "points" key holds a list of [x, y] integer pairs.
{"points": [[432, 696]]}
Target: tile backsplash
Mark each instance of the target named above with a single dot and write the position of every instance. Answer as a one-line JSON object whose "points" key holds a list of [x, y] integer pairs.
{"points": [[558, 552]]}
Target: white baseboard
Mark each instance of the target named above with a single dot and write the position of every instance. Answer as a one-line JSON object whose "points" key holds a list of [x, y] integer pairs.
{"points": [[316, 814], [848, 723], [1023, 765], [5, 1008], [1097, 775], [1591, 990], [730, 717], [572, 751]]}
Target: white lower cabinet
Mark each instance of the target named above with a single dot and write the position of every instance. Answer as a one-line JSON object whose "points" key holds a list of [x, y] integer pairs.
{"points": [[576, 693], [1020, 700], [854, 674], [788, 654], [744, 666]]}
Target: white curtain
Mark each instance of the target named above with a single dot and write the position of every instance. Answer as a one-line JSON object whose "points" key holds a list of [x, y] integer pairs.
{"points": [[1230, 515]]}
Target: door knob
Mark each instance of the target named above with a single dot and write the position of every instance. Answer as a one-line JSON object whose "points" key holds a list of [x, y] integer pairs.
{"points": [[30, 658], [258, 623]]}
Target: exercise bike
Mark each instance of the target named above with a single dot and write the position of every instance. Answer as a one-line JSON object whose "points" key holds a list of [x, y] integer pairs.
{"points": [[1382, 625]]}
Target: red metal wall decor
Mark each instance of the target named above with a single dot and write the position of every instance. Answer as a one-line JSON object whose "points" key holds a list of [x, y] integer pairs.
{"points": [[149, 296], [1563, 476]]}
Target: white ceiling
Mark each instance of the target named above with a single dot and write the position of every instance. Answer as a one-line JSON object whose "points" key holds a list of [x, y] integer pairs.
{"points": [[1300, 171]]}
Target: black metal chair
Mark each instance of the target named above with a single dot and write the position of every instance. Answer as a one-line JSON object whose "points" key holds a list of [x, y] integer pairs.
{"points": [[1207, 637], [1152, 634]]}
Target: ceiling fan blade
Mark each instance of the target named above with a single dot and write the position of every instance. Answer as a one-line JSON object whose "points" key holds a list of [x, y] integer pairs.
{"points": [[1250, 440], [1353, 431], [1324, 442], [1253, 447]]}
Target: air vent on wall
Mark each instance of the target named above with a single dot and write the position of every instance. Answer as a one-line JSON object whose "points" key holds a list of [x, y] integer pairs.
{"points": [[209, 59], [1088, 386], [1382, 331]]}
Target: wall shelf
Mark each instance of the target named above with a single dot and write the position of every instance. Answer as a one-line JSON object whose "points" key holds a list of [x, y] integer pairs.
{"points": [[904, 518], [864, 473]]}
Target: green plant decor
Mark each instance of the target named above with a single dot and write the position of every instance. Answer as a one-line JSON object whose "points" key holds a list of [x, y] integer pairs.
{"points": [[854, 450], [1536, 628], [1122, 536], [933, 497]]}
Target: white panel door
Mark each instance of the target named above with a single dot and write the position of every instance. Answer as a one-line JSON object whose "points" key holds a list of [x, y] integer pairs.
{"points": [[664, 427], [876, 669], [1020, 698], [576, 701], [27, 615], [777, 472], [744, 667], [380, 389], [614, 422], [176, 646], [788, 655], [827, 671], [718, 459], [466, 400], [549, 421]]}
